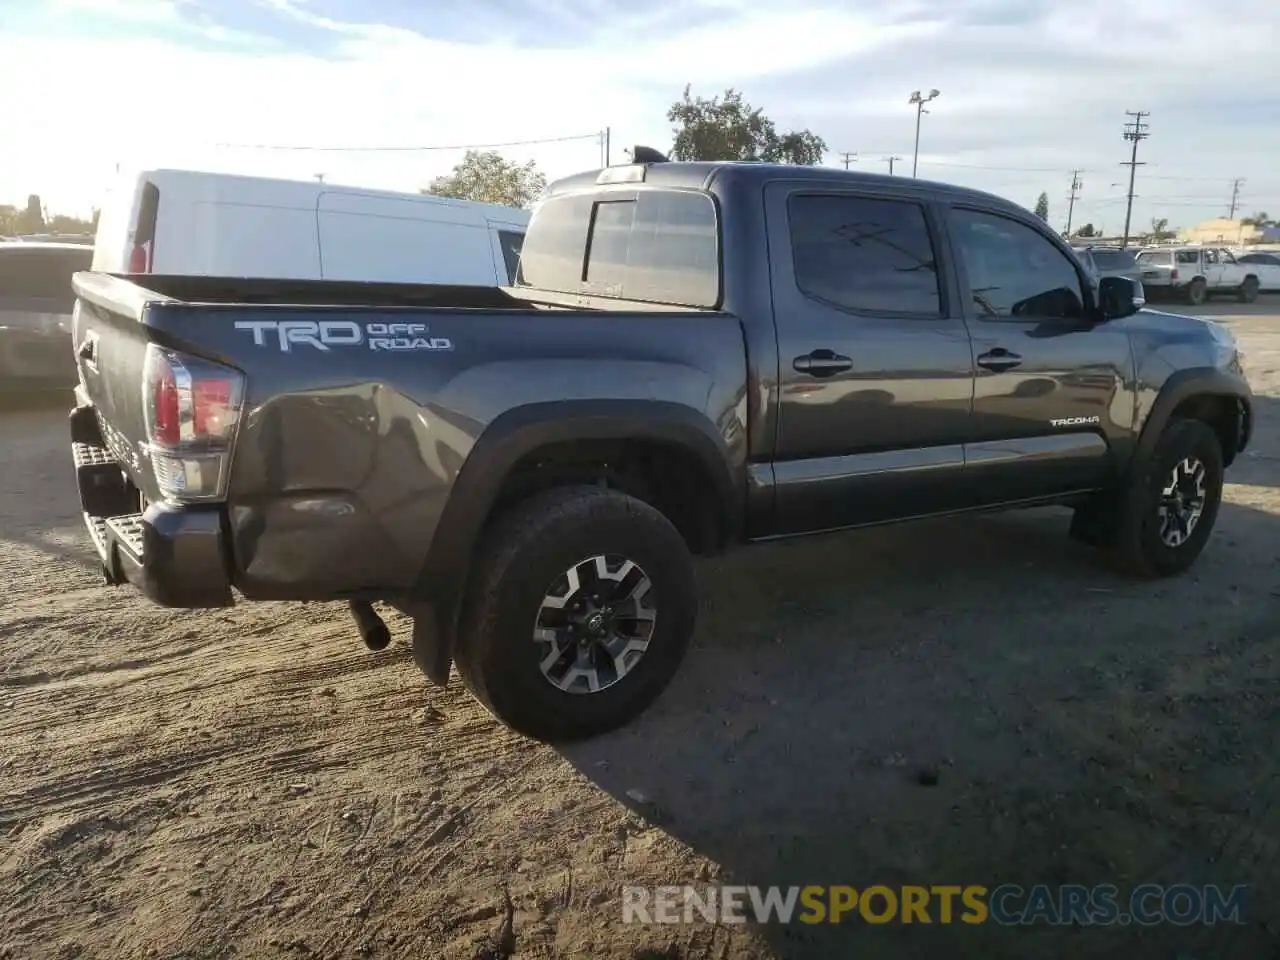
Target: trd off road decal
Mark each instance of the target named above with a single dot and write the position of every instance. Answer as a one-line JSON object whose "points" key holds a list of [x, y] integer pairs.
{"points": [[326, 334]]}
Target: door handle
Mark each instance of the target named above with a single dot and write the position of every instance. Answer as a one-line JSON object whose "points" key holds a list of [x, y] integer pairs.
{"points": [[822, 363], [999, 359]]}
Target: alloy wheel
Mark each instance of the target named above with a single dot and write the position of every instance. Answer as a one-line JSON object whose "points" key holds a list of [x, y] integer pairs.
{"points": [[595, 623], [1182, 502]]}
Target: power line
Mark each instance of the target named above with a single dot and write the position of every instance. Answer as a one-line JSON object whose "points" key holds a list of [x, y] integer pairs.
{"points": [[1071, 201], [1135, 132], [1235, 197], [848, 158], [891, 161], [597, 136]]}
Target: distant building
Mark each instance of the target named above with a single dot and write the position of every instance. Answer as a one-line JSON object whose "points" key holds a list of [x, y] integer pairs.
{"points": [[1230, 233]]}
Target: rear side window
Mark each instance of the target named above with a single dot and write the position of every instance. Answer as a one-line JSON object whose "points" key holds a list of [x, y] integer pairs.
{"points": [[1156, 258], [864, 255], [41, 279], [660, 246], [1188, 256]]}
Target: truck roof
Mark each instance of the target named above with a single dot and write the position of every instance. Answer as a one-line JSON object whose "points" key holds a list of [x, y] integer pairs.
{"points": [[699, 175]]}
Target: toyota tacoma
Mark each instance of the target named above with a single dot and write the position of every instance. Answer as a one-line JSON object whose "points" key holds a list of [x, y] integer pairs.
{"points": [[693, 356]]}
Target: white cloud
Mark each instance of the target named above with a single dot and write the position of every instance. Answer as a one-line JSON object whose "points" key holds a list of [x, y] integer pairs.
{"points": [[1045, 92]]}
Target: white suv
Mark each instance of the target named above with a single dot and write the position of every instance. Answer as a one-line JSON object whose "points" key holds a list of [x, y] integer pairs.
{"points": [[1195, 273]]}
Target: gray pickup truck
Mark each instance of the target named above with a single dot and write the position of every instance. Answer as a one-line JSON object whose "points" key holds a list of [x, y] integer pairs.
{"points": [[694, 356]]}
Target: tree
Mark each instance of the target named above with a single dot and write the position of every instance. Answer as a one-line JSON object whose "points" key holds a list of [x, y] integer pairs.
{"points": [[1042, 206], [1160, 229], [729, 128], [489, 178], [31, 220], [1087, 231], [1258, 220]]}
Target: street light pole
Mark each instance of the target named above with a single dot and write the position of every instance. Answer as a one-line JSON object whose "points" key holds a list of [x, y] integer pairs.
{"points": [[919, 102]]}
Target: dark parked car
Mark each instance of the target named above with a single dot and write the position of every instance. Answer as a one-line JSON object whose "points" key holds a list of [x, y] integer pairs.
{"points": [[694, 356], [36, 300], [1108, 261]]}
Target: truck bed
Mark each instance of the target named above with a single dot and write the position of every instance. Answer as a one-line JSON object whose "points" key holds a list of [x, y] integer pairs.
{"points": [[354, 409]]}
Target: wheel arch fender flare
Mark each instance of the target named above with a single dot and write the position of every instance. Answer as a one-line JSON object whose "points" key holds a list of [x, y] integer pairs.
{"points": [[520, 431], [1193, 382]]}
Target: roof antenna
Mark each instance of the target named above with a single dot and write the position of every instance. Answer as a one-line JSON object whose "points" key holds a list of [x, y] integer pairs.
{"points": [[647, 155]]}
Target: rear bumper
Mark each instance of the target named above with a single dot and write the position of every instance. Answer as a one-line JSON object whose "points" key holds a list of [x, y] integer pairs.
{"points": [[175, 556]]}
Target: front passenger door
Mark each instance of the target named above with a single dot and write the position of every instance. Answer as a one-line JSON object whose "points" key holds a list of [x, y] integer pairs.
{"points": [[1049, 383]]}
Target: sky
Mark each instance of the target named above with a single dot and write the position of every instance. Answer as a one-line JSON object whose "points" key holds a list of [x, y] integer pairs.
{"points": [[1030, 90]]}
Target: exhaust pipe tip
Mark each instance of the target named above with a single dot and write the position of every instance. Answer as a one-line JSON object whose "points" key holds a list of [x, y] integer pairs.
{"points": [[373, 631]]}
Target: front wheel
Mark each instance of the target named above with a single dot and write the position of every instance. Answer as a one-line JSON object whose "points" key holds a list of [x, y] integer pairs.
{"points": [[1161, 521], [580, 611], [1248, 292]]}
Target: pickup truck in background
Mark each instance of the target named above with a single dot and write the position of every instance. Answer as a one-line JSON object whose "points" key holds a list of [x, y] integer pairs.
{"points": [[694, 356], [1194, 273]]}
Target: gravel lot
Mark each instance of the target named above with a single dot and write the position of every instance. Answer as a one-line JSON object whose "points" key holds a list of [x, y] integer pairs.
{"points": [[255, 783]]}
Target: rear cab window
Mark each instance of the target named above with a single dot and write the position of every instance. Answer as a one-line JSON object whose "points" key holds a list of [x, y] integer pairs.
{"points": [[652, 244], [1155, 258]]}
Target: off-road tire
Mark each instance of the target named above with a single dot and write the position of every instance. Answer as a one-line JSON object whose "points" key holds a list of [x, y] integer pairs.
{"points": [[1197, 292], [1248, 292], [1126, 524], [520, 559]]}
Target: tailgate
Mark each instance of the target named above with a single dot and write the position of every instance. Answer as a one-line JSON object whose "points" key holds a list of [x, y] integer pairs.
{"points": [[150, 428]]}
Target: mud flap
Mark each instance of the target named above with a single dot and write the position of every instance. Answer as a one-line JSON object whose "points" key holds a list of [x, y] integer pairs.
{"points": [[432, 651]]}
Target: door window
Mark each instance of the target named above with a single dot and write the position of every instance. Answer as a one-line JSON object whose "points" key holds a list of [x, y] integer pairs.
{"points": [[1015, 272], [865, 255], [1211, 256]]}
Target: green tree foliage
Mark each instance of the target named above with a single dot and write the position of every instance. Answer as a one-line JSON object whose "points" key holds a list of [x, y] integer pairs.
{"points": [[1088, 230], [487, 177], [15, 221], [729, 128], [1259, 219], [1042, 206]]}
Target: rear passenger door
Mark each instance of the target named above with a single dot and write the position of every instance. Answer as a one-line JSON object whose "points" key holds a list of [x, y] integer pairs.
{"points": [[875, 371], [1049, 384]]}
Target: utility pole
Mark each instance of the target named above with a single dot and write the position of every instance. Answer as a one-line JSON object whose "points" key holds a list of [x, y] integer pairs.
{"points": [[1135, 131], [1071, 201], [848, 157], [890, 161], [320, 177], [1235, 197]]}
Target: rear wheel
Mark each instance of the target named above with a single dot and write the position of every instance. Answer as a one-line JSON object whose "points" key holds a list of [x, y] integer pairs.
{"points": [[581, 610], [1197, 292], [1248, 292], [1158, 524]]}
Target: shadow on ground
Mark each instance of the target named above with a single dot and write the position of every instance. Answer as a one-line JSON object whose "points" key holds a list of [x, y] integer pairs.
{"points": [[974, 701]]}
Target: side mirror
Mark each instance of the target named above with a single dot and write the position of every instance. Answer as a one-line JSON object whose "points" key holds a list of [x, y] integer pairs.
{"points": [[1120, 297]]}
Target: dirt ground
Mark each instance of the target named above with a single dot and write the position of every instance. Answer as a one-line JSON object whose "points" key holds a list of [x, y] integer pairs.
{"points": [[254, 783]]}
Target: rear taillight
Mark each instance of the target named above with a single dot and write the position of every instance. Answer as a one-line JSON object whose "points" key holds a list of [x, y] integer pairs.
{"points": [[192, 410], [140, 258], [1173, 274]]}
